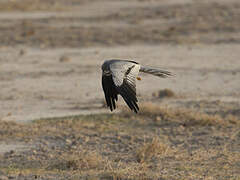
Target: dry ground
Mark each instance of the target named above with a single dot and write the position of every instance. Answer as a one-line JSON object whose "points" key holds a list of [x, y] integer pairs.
{"points": [[159, 143], [50, 57]]}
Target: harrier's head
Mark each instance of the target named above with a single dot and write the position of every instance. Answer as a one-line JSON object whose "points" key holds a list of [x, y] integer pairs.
{"points": [[106, 68]]}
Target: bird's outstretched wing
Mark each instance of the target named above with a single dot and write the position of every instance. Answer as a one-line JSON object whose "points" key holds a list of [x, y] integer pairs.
{"points": [[109, 91], [119, 77], [124, 75]]}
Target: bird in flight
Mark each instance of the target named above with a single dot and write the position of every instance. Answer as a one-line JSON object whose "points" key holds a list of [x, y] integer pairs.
{"points": [[119, 77]]}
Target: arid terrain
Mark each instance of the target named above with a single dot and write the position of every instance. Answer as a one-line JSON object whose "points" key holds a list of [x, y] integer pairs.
{"points": [[54, 122]]}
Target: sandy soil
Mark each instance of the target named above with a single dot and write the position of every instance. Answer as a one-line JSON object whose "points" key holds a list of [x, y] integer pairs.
{"points": [[38, 84], [51, 54], [50, 61]]}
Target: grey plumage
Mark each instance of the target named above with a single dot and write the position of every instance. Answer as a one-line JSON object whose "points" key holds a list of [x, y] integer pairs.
{"points": [[119, 77], [155, 72]]}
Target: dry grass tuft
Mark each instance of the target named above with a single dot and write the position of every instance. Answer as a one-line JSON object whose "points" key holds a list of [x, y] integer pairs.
{"points": [[185, 116], [64, 58], [151, 109], [129, 171], [79, 161], [165, 93], [10, 129], [232, 119], [195, 118], [151, 150]]}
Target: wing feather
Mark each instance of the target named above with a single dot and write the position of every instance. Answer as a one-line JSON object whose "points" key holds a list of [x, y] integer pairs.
{"points": [[129, 98], [110, 91], [124, 77]]}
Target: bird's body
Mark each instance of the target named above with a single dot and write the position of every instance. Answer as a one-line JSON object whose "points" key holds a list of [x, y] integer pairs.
{"points": [[119, 77]]}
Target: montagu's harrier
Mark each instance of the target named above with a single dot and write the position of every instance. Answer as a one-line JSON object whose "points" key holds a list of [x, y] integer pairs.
{"points": [[119, 77]]}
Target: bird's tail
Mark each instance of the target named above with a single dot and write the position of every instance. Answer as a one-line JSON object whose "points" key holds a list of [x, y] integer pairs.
{"points": [[156, 72]]}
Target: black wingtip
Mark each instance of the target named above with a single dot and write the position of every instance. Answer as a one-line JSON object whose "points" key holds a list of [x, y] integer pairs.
{"points": [[136, 111], [109, 92]]}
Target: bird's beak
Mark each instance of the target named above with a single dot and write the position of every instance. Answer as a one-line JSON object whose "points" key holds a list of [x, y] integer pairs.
{"points": [[138, 78]]}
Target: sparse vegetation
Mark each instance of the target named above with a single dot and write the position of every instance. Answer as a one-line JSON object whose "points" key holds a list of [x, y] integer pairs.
{"points": [[151, 150], [78, 160], [160, 142], [183, 116]]}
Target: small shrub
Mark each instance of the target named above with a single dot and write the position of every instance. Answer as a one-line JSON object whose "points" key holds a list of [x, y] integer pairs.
{"points": [[151, 150], [79, 161], [165, 93]]}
